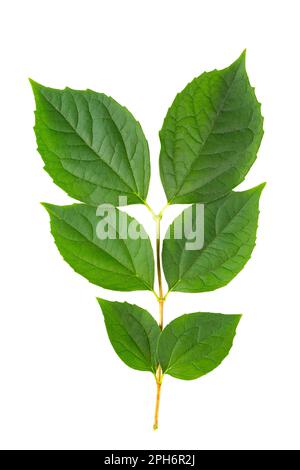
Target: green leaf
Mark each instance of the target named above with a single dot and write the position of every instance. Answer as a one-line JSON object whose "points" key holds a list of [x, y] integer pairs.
{"points": [[133, 333], [210, 136], [118, 264], [193, 345], [230, 226], [92, 147]]}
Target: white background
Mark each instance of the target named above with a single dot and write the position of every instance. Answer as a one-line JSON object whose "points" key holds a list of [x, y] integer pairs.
{"points": [[61, 384]]}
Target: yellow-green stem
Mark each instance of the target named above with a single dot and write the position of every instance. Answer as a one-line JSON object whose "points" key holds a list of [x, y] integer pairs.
{"points": [[159, 374], [161, 299], [158, 378]]}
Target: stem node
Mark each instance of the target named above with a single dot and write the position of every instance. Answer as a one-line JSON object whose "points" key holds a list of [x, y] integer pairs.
{"points": [[161, 300]]}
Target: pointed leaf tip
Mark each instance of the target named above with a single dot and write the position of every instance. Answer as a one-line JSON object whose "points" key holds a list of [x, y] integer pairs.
{"points": [[236, 215], [241, 60], [260, 187], [74, 229], [45, 205], [233, 139], [102, 303], [34, 85], [125, 163], [243, 55]]}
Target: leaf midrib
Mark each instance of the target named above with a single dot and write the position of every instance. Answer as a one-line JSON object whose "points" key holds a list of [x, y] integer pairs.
{"points": [[143, 358], [210, 243], [88, 145], [145, 332], [178, 339], [124, 145], [208, 135], [134, 273], [62, 159]]}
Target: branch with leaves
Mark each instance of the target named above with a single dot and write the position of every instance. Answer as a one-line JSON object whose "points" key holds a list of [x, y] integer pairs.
{"points": [[96, 151]]}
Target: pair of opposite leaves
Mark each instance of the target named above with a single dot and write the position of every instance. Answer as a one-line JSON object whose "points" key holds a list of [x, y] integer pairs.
{"points": [[96, 151]]}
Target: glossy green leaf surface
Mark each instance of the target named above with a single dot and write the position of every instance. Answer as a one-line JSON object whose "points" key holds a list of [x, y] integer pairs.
{"points": [[133, 333], [96, 151], [113, 263], [210, 136], [230, 226], [194, 344], [92, 147]]}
